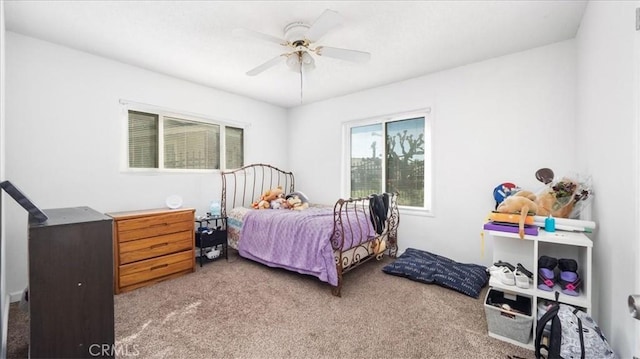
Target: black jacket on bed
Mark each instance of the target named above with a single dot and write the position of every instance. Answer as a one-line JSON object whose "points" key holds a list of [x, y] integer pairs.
{"points": [[379, 207]]}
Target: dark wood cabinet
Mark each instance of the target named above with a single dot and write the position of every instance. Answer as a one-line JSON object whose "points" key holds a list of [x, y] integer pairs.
{"points": [[71, 285]]}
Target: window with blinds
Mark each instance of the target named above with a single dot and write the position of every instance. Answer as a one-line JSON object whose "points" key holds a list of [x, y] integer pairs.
{"points": [[234, 147], [164, 142], [143, 140]]}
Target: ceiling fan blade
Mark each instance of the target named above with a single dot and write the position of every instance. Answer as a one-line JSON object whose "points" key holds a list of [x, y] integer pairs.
{"points": [[258, 35], [325, 22], [271, 63], [343, 54]]}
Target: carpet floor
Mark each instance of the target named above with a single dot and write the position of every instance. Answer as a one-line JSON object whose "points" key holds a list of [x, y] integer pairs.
{"points": [[241, 309]]}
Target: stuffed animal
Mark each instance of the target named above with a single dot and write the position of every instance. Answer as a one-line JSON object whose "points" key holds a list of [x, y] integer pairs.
{"points": [[278, 203], [302, 196], [267, 197], [377, 247], [295, 203], [523, 203], [261, 205]]}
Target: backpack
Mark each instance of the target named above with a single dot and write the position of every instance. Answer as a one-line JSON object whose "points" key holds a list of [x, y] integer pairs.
{"points": [[572, 334]]}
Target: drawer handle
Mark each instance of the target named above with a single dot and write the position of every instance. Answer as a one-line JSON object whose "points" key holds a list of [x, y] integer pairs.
{"points": [[159, 245], [160, 266], [159, 224]]}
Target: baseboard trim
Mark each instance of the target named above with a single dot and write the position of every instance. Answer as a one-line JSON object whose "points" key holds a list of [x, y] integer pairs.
{"points": [[15, 297]]}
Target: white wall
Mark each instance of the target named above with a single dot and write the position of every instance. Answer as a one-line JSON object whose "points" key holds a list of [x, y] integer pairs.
{"points": [[607, 100], [64, 136], [494, 121], [4, 299]]}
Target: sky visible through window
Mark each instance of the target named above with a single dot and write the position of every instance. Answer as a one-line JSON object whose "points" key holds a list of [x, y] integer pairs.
{"points": [[367, 140]]}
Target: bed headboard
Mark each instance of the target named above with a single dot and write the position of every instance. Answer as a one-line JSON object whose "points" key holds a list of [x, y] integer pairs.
{"points": [[244, 185]]}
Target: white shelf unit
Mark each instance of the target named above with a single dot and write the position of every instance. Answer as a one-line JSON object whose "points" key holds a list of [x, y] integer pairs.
{"points": [[508, 247]]}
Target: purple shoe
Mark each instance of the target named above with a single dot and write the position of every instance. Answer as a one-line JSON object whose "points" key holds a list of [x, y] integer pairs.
{"points": [[570, 283], [546, 276], [546, 279], [569, 279]]}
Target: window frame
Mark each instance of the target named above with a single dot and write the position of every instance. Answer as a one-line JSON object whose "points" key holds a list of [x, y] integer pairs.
{"points": [[427, 209], [182, 116]]}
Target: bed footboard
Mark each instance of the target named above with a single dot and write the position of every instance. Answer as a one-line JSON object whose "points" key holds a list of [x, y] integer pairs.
{"points": [[352, 244]]}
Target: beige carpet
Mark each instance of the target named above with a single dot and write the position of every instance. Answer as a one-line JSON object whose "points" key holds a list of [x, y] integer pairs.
{"points": [[241, 309]]}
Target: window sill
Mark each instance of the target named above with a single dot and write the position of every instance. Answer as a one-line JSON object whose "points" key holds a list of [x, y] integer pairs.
{"points": [[417, 212]]}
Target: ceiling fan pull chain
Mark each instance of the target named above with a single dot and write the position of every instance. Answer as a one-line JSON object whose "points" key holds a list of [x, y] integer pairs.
{"points": [[301, 83]]}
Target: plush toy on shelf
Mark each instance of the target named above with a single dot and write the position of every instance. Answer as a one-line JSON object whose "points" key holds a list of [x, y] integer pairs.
{"points": [[523, 202]]}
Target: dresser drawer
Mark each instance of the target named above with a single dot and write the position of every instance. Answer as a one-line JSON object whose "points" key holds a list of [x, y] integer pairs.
{"points": [[149, 269], [133, 251], [151, 220], [138, 228]]}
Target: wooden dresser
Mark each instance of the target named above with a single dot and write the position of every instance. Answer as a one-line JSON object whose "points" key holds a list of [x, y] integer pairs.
{"points": [[151, 246]]}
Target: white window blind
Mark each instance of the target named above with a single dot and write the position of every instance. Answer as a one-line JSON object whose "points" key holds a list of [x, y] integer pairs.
{"points": [[157, 141], [234, 147], [143, 140], [191, 145]]}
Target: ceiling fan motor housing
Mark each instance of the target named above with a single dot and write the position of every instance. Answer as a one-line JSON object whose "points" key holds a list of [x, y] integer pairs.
{"points": [[299, 41], [295, 33]]}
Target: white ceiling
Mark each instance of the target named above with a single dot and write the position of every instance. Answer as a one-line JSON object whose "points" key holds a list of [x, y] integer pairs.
{"points": [[193, 40]]}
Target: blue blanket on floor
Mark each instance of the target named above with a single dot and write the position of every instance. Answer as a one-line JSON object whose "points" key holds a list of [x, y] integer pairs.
{"points": [[427, 267]]}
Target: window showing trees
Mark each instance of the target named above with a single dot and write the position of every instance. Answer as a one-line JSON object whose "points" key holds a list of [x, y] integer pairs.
{"points": [[390, 156]]}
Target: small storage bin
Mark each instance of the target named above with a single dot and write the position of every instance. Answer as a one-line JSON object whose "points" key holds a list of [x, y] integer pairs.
{"points": [[515, 324]]}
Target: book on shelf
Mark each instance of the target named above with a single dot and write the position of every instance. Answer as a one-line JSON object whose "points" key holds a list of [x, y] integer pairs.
{"points": [[510, 218], [511, 228]]}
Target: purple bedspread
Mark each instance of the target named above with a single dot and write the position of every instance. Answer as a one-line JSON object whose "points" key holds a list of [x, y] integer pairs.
{"points": [[295, 240]]}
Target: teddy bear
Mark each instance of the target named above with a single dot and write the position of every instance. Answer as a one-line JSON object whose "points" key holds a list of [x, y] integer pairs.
{"points": [[377, 247], [267, 197], [295, 203], [261, 205], [278, 203]]}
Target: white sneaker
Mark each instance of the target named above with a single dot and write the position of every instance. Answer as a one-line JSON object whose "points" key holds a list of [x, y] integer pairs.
{"points": [[494, 271], [506, 276], [522, 281]]}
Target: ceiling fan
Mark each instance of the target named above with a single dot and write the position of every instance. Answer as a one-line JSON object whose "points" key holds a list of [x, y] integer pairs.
{"points": [[299, 41]]}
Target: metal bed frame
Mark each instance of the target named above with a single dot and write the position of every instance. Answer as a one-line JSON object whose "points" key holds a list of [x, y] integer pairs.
{"points": [[240, 187]]}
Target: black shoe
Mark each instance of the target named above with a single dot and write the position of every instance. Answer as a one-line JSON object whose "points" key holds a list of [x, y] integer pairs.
{"points": [[523, 270], [547, 262], [505, 264]]}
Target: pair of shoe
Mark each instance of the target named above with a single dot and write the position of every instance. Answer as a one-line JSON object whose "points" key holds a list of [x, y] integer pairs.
{"points": [[568, 277], [510, 275]]}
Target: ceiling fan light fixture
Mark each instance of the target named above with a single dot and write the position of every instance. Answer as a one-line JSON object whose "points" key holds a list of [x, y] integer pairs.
{"points": [[306, 58], [308, 67], [308, 63], [293, 61], [296, 60]]}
